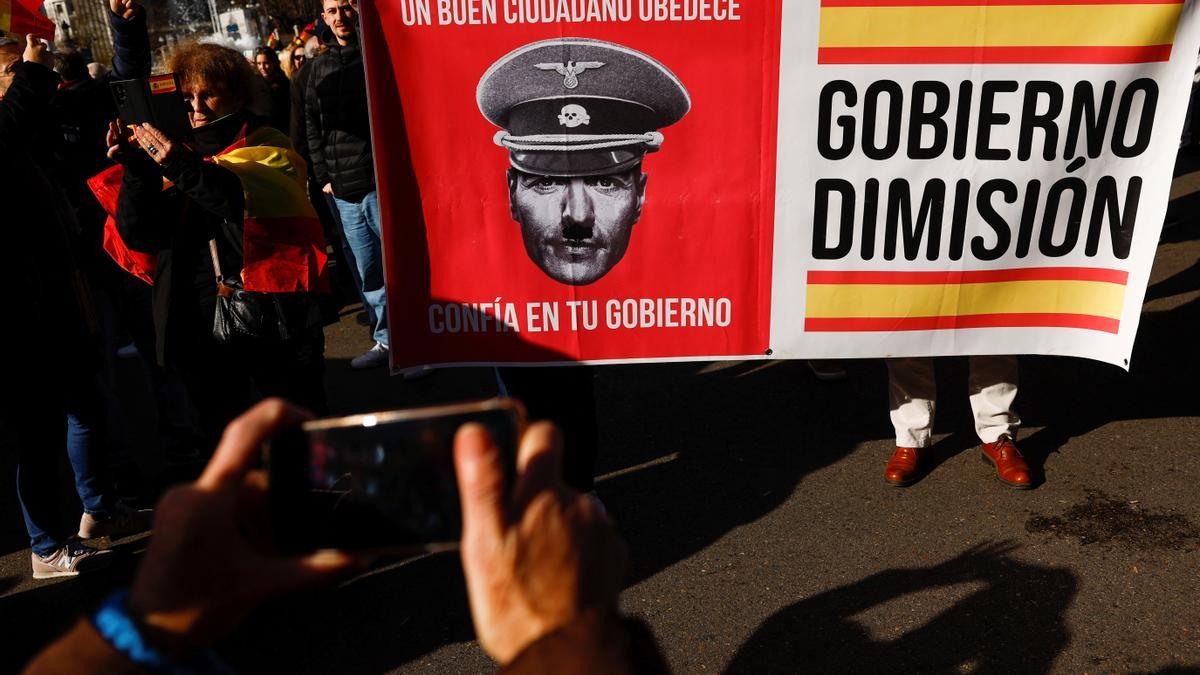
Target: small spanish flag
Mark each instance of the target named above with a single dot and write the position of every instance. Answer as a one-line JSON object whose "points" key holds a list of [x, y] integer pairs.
{"points": [[24, 17], [997, 31], [1035, 297]]}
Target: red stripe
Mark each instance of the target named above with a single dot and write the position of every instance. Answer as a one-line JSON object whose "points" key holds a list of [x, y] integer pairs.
{"points": [[902, 55], [970, 276], [872, 324], [983, 3]]}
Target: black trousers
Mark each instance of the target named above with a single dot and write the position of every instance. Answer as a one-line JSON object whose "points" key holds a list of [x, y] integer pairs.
{"points": [[567, 397], [223, 381]]}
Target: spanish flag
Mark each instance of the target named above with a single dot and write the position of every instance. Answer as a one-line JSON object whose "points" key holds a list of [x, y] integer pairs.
{"points": [[997, 31], [24, 17], [1034, 297], [283, 244]]}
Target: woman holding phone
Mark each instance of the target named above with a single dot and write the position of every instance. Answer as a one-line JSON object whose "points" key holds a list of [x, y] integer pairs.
{"points": [[232, 199]]}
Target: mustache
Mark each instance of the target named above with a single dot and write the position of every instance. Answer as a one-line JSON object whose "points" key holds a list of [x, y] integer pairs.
{"points": [[577, 231]]}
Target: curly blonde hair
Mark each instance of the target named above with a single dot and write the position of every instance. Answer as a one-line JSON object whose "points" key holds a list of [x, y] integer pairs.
{"points": [[213, 65]]}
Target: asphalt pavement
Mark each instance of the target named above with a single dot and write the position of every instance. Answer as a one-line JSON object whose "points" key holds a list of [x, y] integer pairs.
{"points": [[763, 538]]}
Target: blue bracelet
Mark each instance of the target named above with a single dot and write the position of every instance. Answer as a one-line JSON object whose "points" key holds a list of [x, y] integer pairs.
{"points": [[116, 625]]}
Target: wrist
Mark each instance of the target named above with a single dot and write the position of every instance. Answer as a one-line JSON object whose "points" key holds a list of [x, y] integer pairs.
{"points": [[150, 640]]}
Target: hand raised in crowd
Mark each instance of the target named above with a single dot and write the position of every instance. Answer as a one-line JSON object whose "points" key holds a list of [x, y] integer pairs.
{"points": [[36, 51], [126, 9], [156, 144], [119, 146], [208, 566], [536, 562]]}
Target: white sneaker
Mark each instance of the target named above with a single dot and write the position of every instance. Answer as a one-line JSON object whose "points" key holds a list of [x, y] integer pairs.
{"points": [[129, 351], [375, 357], [70, 560]]}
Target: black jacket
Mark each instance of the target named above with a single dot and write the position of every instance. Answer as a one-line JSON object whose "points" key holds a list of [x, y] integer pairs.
{"points": [[44, 289], [206, 202], [337, 123]]}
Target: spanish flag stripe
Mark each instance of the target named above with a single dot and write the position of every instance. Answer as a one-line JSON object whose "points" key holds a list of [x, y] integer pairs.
{"points": [[970, 276], [993, 55], [863, 32], [889, 324], [1000, 26], [926, 300], [978, 3]]}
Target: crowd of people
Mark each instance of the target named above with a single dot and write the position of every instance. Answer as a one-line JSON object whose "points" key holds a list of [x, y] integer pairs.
{"points": [[144, 232], [143, 236]]}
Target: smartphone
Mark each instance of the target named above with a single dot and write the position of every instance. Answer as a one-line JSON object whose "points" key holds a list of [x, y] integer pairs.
{"points": [[155, 100], [381, 482]]}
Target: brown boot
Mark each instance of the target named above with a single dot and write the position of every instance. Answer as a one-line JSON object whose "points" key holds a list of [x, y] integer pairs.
{"points": [[1011, 468], [904, 468]]}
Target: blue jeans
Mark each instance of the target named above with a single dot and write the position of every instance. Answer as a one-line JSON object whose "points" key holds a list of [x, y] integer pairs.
{"points": [[360, 224], [39, 438]]}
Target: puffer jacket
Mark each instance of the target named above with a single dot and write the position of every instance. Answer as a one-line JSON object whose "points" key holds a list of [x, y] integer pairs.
{"points": [[338, 127]]}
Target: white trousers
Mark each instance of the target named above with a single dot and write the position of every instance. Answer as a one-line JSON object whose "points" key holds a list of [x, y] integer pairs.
{"points": [[912, 391]]}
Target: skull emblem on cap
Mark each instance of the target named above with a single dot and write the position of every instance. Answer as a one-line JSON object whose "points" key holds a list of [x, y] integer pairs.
{"points": [[574, 115]]}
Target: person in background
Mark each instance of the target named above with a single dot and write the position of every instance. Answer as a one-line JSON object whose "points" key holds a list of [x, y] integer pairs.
{"points": [[234, 197], [543, 567], [992, 385], [266, 61], [347, 286], [46, 378], [80, 112], [339, 142], [292, 59]]}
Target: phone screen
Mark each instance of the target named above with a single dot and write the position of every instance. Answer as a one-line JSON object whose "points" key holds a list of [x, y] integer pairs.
{"points": [[381, 481]]}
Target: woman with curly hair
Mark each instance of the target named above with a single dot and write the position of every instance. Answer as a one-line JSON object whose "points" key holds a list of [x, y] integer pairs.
{"points": [[229, 203]]}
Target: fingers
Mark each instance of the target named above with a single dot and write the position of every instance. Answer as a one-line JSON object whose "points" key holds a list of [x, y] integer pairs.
{"points": [[480, 470], [238, 450], [113, 139], [155, 135], [539, 463]]}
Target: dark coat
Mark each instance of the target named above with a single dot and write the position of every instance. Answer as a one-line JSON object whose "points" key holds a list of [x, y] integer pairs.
{"points": [[175, 225], [280, 90], [42, 282], [337, 123]]}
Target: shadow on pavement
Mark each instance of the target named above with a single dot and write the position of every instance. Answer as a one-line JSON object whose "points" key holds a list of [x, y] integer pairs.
{"points": [[1013, 623]]}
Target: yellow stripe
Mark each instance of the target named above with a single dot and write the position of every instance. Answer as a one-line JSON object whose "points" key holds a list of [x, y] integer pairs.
{"points": [[5, 16], [273, 179], [875, 300], [1000, 26]]}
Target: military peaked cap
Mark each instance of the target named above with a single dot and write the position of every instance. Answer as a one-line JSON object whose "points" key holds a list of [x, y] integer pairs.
{"points": [[573, 107]]}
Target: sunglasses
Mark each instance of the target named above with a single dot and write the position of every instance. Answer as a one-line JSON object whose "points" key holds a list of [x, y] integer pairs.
{"points": [[298, 57]]}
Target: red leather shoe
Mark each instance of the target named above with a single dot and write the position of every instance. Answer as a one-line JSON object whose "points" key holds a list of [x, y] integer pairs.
{"points": [[904, 468], [1011, 468]]}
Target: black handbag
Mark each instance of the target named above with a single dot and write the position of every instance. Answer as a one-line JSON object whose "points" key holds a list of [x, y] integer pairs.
{"points": [[245, 316]]}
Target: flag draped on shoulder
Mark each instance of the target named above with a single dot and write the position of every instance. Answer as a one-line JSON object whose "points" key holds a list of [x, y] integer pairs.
{"points": [[283, 243], [24, 17]]}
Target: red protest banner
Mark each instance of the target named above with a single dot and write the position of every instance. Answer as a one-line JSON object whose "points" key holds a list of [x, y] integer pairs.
{"points": [[548, 197]]}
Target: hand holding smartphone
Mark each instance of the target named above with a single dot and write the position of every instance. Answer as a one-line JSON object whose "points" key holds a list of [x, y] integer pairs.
{"points": [[380, 482]]}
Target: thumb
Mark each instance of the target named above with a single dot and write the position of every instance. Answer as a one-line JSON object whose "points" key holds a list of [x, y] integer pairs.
{"points": [[480, 472], [317, 569]]}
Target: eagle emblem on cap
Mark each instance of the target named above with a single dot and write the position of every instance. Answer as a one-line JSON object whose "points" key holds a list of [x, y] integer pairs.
{"points": [[570, 70]]}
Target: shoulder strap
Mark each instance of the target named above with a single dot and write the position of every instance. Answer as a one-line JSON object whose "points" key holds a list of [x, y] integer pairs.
{"points": [[216, 260]]}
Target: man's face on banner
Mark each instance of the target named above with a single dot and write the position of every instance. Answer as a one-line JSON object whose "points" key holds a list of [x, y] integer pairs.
{"points": [[576, 229]]}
